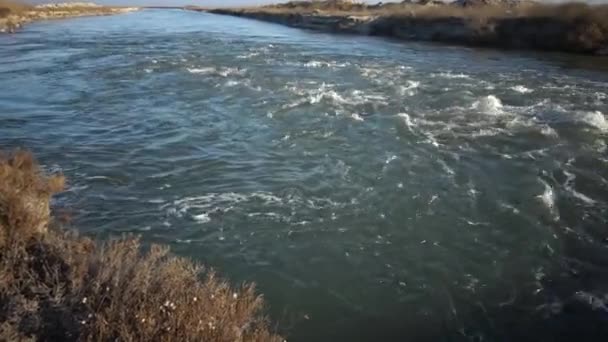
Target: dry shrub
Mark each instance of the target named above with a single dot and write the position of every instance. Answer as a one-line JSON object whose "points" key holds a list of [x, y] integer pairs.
{"points": [[56, 286], [8, 7], [24, 198]]}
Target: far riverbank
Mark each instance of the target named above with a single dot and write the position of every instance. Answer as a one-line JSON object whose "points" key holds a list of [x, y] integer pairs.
{"points": [[14, 15], [574, 28]]}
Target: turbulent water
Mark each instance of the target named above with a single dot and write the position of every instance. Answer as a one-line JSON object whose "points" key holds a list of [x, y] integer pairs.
{"points": [[375, 190]]}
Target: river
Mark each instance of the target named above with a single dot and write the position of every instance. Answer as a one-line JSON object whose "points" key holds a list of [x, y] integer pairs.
{"points": [[375, 190]]}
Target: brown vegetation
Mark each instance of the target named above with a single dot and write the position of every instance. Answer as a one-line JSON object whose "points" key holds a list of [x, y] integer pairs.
{"points": [[572, 27], [14, 14], [56, 286], [10, 7]]}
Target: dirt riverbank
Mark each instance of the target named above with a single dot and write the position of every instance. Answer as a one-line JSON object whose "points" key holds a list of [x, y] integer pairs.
{"points": [[575, 28], [14, 15]]}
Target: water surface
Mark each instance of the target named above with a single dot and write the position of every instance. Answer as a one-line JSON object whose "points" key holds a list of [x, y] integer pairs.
{"points": [[375, 190]]}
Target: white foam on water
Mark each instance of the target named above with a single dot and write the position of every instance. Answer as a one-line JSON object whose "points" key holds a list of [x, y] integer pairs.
{"points": [[255, 204], [232, 83], [521, 122], [548, 131], [473, 223], [325, 93], [595, 119], [331, 95], [202, 218], [407, 120], [509, 207], [548, 199], [521, 89], [569, 187], [413, 84], [201, 70], [489, 105], [223, 72], [357, 117], [98, 177], [267, 214], [486, 132], [248, 55], [359, 97], [472, 190], [601, 146], [430, 129], [370, 72], [451, 75], [314, 64], [409, 88], [330, 64], [446, 168]]}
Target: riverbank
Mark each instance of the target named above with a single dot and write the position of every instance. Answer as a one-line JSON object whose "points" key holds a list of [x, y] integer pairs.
{"points": [[574, 28], [57, 286], [14, 15]]}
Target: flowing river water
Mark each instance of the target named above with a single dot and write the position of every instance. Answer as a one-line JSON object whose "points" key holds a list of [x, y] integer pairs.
{"points": [[375, 190]]}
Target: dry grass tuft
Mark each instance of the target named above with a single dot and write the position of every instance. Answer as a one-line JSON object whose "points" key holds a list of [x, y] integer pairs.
{"points": [[56, 286]]}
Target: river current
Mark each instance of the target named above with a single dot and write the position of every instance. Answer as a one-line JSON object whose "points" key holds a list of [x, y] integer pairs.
{"points": [[375, 190]]}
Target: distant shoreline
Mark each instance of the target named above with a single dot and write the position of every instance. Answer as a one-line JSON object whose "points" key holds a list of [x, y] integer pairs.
{"points": [[14, 15], [572, 28]]}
